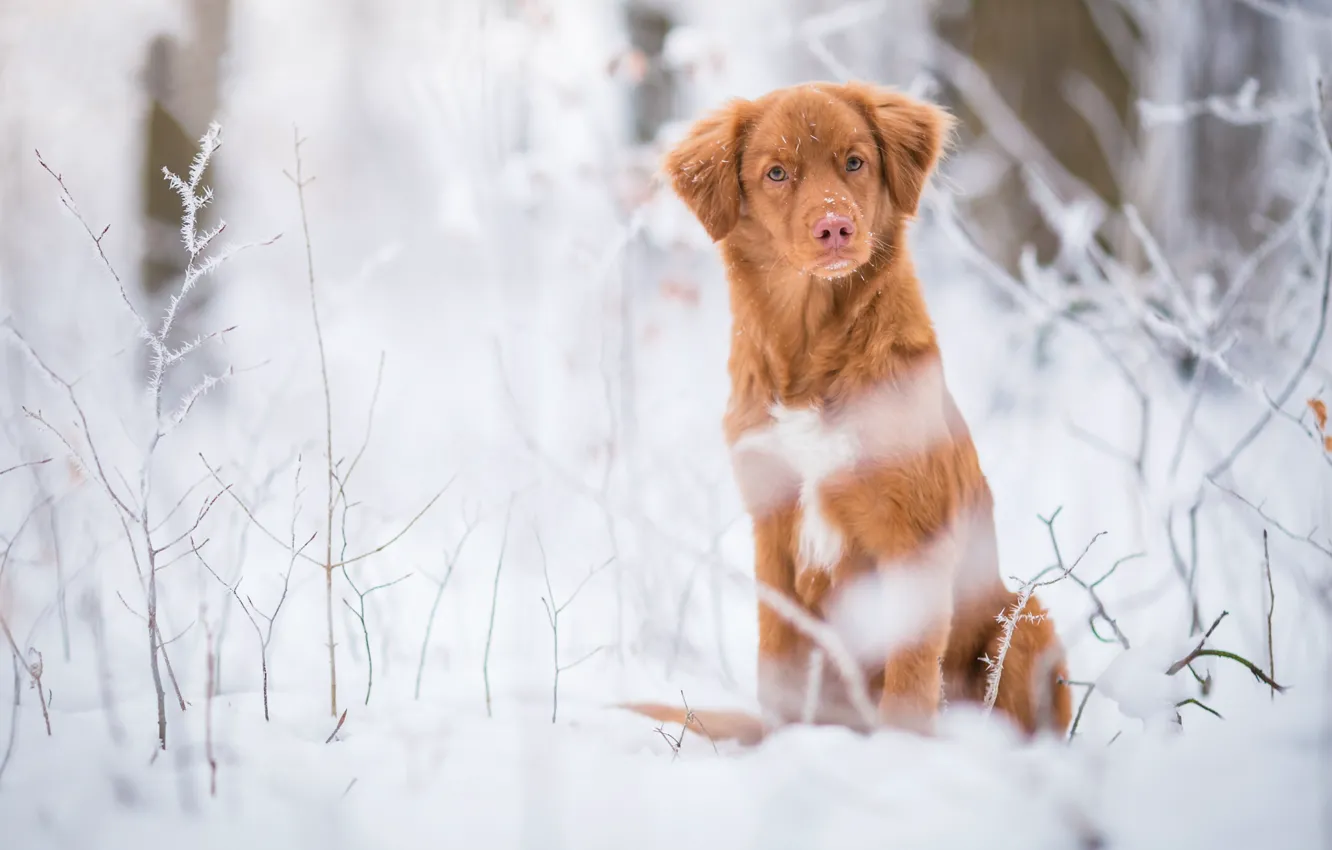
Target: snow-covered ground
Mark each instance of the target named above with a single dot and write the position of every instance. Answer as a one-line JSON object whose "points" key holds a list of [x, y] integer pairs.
{"points": [[553, 335]]}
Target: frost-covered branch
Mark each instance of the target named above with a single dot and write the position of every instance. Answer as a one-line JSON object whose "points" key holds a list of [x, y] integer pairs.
{"points": [[133, 512], [1241, 109]]}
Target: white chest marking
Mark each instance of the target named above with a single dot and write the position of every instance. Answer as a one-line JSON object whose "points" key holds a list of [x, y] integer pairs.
{"points": [[814, 450]]}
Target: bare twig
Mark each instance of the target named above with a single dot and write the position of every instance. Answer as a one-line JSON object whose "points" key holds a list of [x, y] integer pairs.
{"points": [[1320, 326], [494, 602], [1082, 704], [166, 661], [673, 742], [676, 742], [67, 200], [359, 613], [254, 520], [1271, 608], [1201, 652], [1069, 572], [95, 469], [450, 561], [35, 671], [553, 611], [1009, 620], [264, 637], [210, 688], [334, 733], [13, 719], [1308, 538], [1203, 706], [691, 718], [25, 465], [300, 182]]}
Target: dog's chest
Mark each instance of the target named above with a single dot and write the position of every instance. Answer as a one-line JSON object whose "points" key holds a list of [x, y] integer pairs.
{"points": [[810, 448]]}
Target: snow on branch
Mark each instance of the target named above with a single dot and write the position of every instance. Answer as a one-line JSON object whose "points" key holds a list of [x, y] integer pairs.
{"points": [[1241, 109]]}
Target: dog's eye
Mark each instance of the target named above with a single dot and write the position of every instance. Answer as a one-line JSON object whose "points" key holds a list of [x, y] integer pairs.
{"points": [[853, 163], [777, 174]]}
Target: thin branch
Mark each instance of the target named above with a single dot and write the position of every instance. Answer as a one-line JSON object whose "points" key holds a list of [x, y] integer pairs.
{"points": [[451, 561], [25, 465], [406, 528], [300, 183], [1320, 327], [255, 520], [189, 532], [1271, 608], [232, 589], [359, 613], [553, 611], [13, 718], [494, 602], [1307, 538], [210, 689], [1203, 706], [1248, 665], [334, 733], [68, 201], [96, 469], [1200, 651]]}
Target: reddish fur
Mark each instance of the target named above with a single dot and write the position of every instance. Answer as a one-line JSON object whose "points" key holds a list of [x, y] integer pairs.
{"points": [[805, 336]]}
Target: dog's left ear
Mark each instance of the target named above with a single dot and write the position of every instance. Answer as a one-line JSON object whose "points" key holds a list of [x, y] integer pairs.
{"points": [[704, 168], [911, 135]]}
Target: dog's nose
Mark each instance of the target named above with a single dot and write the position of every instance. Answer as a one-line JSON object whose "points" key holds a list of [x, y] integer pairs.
{"points": [[834, 231]]}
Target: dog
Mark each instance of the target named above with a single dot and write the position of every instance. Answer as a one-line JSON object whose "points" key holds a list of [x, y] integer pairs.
{"points": [[871, 514]]}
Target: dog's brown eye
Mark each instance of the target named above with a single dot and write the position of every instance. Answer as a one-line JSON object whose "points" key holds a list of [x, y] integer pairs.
{"points": [[853, 163], [776, 174]]}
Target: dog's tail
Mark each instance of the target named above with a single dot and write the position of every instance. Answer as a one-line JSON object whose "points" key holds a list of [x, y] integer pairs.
{"points": [[716, 726]]}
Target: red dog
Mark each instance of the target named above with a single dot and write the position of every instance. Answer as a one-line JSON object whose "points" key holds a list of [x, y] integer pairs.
{"points": [[871, 514]]}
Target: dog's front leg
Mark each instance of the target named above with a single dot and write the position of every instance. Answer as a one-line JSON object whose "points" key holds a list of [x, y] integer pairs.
{"points": [[913, 681], [783, 655]]}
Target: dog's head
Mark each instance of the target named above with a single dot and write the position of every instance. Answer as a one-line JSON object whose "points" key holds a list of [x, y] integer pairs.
{"points": [[820, 175]]}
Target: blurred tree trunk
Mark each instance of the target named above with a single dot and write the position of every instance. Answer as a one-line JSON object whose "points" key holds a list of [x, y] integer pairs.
{"points": [[1051, 64], [1226, 179], [182, 78]]}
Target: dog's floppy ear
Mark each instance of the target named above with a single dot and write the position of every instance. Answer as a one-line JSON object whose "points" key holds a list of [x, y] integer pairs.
{"points": [[704, 168], [910, 134]]}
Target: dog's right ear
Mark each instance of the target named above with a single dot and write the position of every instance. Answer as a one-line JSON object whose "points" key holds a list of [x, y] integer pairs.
{"points": [[704, 168]]}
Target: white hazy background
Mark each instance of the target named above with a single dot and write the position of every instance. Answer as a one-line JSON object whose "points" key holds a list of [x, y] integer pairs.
{"points": [[553, 328]]}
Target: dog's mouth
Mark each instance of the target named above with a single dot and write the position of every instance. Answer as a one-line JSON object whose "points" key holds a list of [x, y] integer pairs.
{"points": [[834, 264]]}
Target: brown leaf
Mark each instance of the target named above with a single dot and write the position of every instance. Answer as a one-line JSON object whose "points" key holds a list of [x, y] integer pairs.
{"points": [[1327, 443], [1319, 409]]}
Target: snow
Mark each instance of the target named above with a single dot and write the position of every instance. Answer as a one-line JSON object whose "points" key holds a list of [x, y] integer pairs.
{"points": [[1137, 682], [409, 775]]}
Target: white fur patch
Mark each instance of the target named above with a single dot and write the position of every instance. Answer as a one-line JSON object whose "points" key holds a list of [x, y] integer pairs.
{"points": [[813, 450]]}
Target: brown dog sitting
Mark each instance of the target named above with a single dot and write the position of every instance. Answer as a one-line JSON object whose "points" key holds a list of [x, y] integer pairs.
{"points": [[870, 510]]}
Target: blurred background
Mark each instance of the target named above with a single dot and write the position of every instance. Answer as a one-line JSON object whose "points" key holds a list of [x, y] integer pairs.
{"points": [[1126, 253]]}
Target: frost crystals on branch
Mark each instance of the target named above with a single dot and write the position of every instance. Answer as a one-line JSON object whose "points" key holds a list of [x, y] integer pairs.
{"points": [[133, 510]]}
